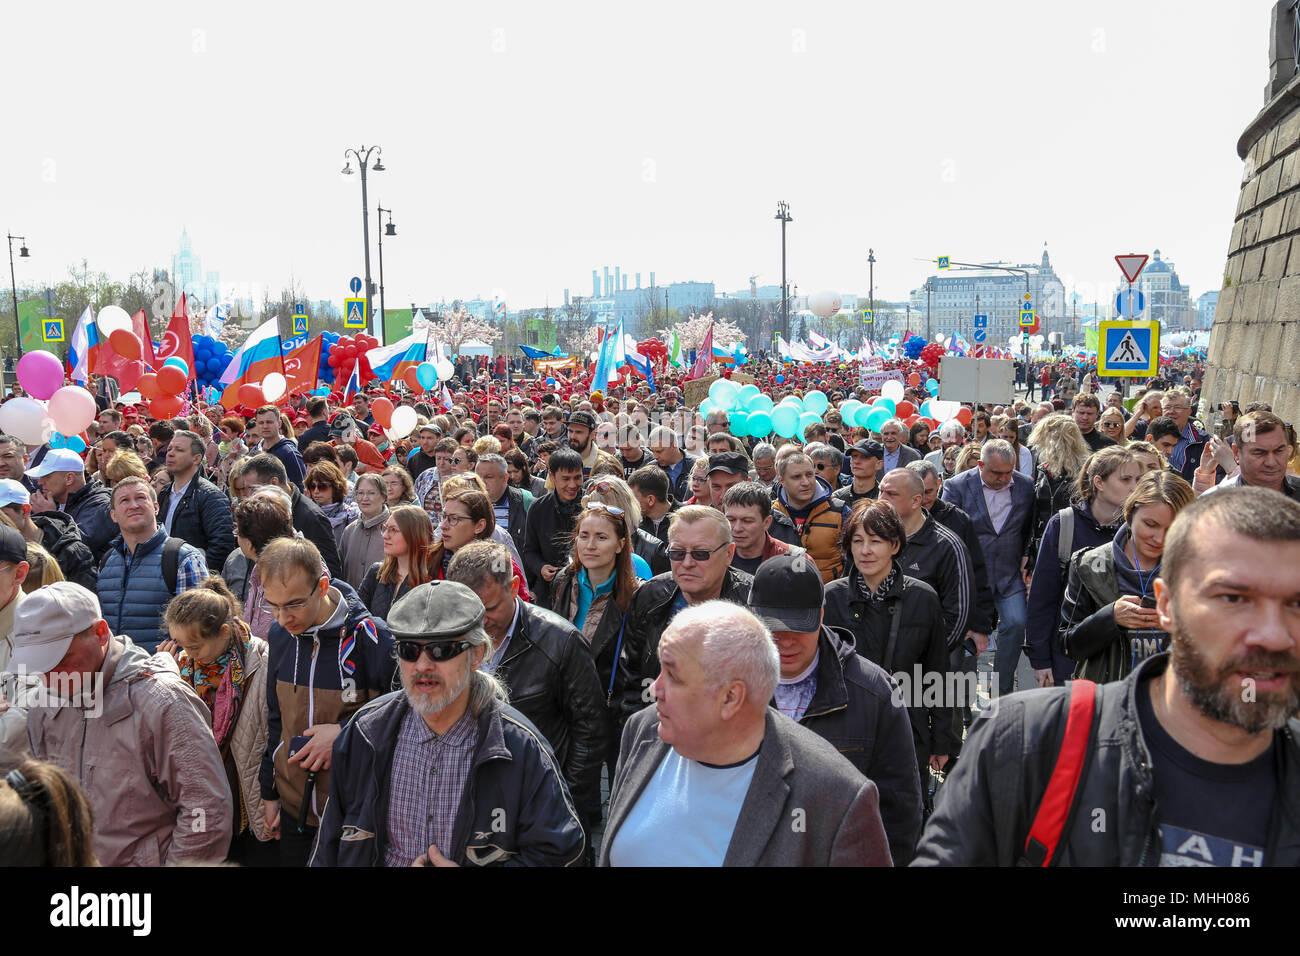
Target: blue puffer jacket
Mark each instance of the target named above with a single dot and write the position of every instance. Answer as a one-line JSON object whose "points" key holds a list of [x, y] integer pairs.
{"points": [[516, 809], [132, 595]]}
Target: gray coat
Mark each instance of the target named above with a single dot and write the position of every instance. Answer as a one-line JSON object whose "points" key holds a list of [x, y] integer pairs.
{"points": [[1003, 549], [806, 806]]}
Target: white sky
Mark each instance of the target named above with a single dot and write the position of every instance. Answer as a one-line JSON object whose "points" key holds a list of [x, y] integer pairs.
{"points": [[528, 143]]}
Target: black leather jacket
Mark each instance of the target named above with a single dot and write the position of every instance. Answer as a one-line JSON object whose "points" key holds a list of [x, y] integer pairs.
{"points": [[203, 518], [982, 815], [552, 681], [648, 615]]}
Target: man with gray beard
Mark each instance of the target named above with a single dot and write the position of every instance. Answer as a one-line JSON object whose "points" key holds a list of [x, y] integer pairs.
{"points": [[1191, 760], [417, 777]]}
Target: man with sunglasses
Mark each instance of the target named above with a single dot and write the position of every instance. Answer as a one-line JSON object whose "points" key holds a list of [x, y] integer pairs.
{"points": [[444, 772], [700, 548], [332, 657]]}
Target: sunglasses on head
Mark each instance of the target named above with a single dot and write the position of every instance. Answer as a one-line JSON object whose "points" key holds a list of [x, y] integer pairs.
{"points": [[436, 651]]}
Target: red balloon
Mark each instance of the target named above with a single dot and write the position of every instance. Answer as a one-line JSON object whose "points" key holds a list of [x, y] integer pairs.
{"points": [[345, 341], [412, 380], [911, 420], [167, 406], [171, 380], [251, 395], [914, 379], [963, 416], [903, 409], [351, 351], [125, 344], [382, 410], [148, 386]]}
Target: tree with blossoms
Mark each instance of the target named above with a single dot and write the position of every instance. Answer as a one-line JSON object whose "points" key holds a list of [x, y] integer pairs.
{"points": [[585, 342], [692, 331], [456, 327]]}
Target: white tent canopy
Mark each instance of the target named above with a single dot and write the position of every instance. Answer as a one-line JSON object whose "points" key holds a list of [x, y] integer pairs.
{"points": [[474, 348]]}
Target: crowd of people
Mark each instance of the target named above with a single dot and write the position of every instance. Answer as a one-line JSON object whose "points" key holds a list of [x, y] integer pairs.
{"points": [[561, 626]]}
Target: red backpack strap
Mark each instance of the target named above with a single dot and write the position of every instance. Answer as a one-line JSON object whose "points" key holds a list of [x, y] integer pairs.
{"points": [[1058, 799]]}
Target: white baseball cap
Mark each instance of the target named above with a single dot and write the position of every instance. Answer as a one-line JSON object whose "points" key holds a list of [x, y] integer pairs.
{"points": [[13, 493], [57, 459]]}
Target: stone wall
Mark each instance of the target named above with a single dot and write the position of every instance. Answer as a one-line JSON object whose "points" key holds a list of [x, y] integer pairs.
{"points": [[1254, 350]]}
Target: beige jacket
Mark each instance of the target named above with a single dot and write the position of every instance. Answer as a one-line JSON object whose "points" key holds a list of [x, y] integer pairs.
{"points": [[248, 742], [148, 762], [13, 716]]}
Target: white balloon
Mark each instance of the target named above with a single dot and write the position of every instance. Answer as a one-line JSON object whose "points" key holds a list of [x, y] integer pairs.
{"points": [[825, 303], [26, 418], [403, 422], [273, 386], [892, 390], [445, 370], [112, 317], [942, 411], [130, 398]]}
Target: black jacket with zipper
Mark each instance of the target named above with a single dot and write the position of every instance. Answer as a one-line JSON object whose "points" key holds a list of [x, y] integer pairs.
{"points": [[983, 814], [552, 681], [853, 708]]}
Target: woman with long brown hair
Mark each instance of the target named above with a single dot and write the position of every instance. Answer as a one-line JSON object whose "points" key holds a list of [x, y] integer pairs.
{"points": [[408, 560], [45, 818]]}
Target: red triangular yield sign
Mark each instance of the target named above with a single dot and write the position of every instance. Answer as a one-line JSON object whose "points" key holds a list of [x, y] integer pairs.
{"points": [[1131, 265]]}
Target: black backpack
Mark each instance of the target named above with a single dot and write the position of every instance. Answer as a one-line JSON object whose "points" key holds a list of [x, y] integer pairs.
{"points": [[171, 559]]}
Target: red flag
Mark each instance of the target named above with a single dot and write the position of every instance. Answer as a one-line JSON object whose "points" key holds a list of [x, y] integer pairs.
{"points": [[302, 367], [704, 357], [140, 326], [106, 361], [176, 340]]}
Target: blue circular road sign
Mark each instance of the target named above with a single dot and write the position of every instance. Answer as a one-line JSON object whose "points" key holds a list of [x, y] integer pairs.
{"points": [[355, 286]]}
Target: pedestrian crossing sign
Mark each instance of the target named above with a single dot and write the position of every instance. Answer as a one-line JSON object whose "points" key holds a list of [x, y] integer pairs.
{"points": [[52, 330], [354, 313], [1128, 349], [867, 316], [300, 324], [1026, 318]]}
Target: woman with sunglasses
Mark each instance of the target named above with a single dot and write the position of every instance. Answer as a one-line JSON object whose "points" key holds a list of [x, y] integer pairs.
{"points": [[226, 666], [327, 487], [649, 553], [398, 487], [362, 541], [408, 560], [594, 590], [1111, 424]]}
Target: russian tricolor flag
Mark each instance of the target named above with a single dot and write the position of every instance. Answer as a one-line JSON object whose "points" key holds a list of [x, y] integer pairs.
{"points": [[85, 341], [258, 357], [390, 362]]}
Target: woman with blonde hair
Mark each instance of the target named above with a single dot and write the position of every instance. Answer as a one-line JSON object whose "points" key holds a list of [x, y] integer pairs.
{"points": [[699, 482], [124, 463], [967, 458], [1111, 424], [1008, 429], [42, 569], [398, 487], [1060, 452], [408, 560], [362, 541]]}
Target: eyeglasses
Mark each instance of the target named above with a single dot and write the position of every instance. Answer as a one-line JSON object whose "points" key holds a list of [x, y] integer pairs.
{"points": [[436, 651], [453, 519], [697, 554], [291, 606], [319, 486], [601, 506]]}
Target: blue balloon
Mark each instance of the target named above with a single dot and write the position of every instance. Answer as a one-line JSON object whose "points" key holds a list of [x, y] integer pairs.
{"points": [[179, 362], [550, 381], [427, 374], [57, 440], [780, 380], [759, 424], [74, 443]]}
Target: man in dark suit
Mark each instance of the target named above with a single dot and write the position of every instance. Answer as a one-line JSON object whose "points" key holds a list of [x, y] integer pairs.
{"points": [[898, 453], [712, 776], [1000, 502]]}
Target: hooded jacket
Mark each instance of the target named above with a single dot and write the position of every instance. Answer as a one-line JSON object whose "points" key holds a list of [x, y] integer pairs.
{"points": [[60, 537], [820, 535], [853, 709], [983, 814], [515, 810], [147, 761]]}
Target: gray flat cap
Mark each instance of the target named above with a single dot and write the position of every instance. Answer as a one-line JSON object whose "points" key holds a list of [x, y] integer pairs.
{"points": [[437, 611]]}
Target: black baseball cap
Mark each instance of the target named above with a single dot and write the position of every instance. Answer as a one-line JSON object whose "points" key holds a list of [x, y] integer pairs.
{"points": [[13, 546], [869, 447], [583, 418], [732, 462], [787, 594]]}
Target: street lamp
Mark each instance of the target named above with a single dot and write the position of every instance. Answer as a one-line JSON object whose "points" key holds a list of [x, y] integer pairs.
{"points": [[13, 285], [388, 230], [783, 214], [871, 288], [363, 158]]}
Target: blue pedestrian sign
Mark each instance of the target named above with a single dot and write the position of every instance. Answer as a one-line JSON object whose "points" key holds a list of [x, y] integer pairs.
{"points": [[355, 286], [867, 316], [1027, 318], [980, 335], [944, 261], [981, 321], [300, 324], [1129, 303], [52, 330], [354, 313], [1128, 349]]}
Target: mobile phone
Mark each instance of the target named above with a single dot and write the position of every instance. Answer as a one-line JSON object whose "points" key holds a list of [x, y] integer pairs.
{"points": [[1147, 601], [297, 743]]}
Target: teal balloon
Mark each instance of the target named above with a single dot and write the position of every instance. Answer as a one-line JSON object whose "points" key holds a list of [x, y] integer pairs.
{"points": [[816, 401], [806, 419], [57, 440], [724, 392], [739, 422], [932, 386], [888, 404], [760, 403], [707, 407], [795, 402], [179, 363], [877, 418], [862, 416], [759, 424], [427, 374], [747, 394], [924, 410], [849, 409], [785, 421], [74, 443]]}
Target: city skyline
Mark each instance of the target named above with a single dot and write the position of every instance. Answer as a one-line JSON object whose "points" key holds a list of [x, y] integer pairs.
{"points": [[992, 134]]}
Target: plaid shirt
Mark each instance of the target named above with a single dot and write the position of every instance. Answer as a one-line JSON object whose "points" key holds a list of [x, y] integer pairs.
{"points": [[427, 784], [191, 566]]}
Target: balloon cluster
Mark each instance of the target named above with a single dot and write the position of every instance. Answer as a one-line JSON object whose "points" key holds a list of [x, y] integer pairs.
{"points": [[327, 341], [931, 354], [52, 406], [347, 352], [420, 378], [165, 388], [210, 359], [654, 350], [913, 347]]}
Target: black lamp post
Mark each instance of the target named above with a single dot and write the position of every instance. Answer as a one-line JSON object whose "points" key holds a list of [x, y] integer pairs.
{"points": [[783, 214], [363, 158], [13, 286], [388, 230]]}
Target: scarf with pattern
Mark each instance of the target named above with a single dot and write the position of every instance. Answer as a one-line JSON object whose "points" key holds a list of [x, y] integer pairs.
{"points": [[220, 682], [885, 586]]}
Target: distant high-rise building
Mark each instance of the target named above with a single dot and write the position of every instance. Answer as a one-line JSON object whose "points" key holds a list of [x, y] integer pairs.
{"points": [[188, 275]]}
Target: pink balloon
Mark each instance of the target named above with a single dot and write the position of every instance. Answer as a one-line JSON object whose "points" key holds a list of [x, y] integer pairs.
{"points": [[40, 374], [72, 408]]}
